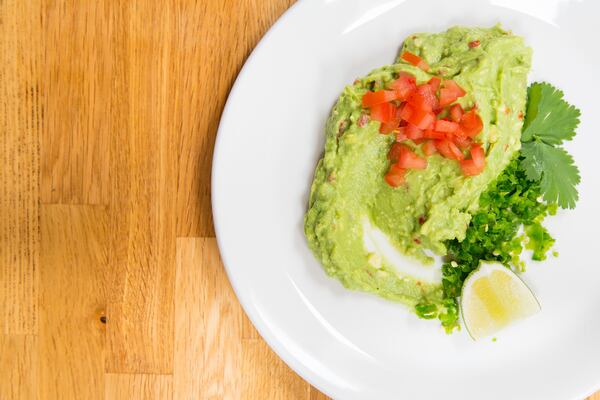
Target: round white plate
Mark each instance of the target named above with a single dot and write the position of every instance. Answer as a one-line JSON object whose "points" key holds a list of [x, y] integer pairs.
{"points": [[353, 345]]}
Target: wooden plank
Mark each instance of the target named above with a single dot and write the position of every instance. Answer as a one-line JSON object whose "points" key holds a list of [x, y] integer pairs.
{"points": [[77, 83], [265, 374], [213, 40], [143, 191], [18, 375], [594, 397], [207, 325], [212, 359], [315, 394], [74, 242], [20, 124], [139, 387]]}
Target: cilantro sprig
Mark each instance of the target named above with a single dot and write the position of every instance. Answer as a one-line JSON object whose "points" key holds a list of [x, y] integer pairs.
{"points": [[550, 121]]}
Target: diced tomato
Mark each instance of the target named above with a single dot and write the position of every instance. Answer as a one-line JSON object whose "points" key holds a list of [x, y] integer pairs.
{"points": [[401, 134], [456, 112], [452, 85], [394, 153], [406, 112], [458, 155], [474, 43], [471, 123], [447, 97], [424, 98], [478, 156], [422, 119], [415, 60], [450, 92], [469, 168], [476, 164], [395, 176], [461, 141], [429, 148], [388, 127], [413, 133], [406, 75], [442, 125], [370, 99], [409, 159], [434, 83], [449, 150], [385, 112], [404, 86], [431, 134]]}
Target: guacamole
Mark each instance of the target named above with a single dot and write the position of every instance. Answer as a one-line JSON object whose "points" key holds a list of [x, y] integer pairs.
{"points": [[355, 221]]}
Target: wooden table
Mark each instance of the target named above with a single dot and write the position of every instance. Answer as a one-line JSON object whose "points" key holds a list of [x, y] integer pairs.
{"points": [[111, 286]]}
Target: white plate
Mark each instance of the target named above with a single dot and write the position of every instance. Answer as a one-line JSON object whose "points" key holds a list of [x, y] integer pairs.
{"points": [[353, 345]]}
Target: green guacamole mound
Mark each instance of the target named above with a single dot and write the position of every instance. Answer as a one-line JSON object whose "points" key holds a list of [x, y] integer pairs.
{"points": [[435, 205]]}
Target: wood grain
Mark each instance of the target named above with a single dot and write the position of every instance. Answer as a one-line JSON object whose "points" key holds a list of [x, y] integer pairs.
{"points": [[143, 174], [19, 373], [207, 69], [72, 298], [20, 126], [139, 387], [208, 325], [262, 367], [213, 359], [111, 284], [78, 84]]}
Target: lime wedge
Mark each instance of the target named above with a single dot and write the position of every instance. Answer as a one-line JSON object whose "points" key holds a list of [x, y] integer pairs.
{"points": [[494, 297]]}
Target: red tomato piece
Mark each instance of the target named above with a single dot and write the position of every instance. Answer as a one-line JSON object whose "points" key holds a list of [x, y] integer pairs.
{"points": [[401, 134], [431, 134], [435, 83], [406, 112], [370, 99], [471, 124], [452, 85], [478, 156], [424, 98], [449, 150], [474, 43], [395, 176], [388, 127], [447, 97], [404, 86], [409, 159], [442, 125], [442, 147], [413, 133], [450, 92], [456, 112], [394, 152], [458, 155], [422, 119], [461, 141], [429, 148], [469, 168], [385, 112], [406, 75], [415, 60]]}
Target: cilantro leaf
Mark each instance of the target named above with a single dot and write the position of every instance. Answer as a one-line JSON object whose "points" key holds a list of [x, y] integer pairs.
{"points": [[559, 175], [549, 117]]}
